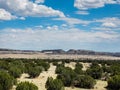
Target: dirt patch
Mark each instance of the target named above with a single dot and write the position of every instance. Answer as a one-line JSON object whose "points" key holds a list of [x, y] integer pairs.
{"points": [[71, 65], [85, 66], [100, 85], [41, 80]]}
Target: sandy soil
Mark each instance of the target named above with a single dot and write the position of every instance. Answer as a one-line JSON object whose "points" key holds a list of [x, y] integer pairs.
{"points": [[46, 56], [41, 80], [100, 85], [70, 88], [85, 66], [71, 65]]}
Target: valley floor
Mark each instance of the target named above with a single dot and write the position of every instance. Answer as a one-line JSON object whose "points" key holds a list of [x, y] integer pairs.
{"points": [[59, 56], [41, 80]]}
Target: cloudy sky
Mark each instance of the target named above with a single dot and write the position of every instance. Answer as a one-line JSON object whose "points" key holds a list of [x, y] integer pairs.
{"points": [[60, 24]]}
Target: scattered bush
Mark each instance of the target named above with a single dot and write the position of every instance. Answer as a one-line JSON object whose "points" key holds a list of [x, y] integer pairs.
{"points": [[34, 71], [78, 68], [114, 82], [59, 69], [54, 84], [95, 71], [15, 72], [84, 82], [6, 81], [26, 86], [55, 63], [67, 76], [44, 64], [114, 69]]}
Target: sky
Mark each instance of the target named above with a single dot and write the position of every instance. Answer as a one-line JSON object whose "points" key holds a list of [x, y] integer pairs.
{"points": [[60, 24]]}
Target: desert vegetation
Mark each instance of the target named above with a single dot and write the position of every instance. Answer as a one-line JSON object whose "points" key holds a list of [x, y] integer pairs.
{"points": [[63, 76], [26, 86]]}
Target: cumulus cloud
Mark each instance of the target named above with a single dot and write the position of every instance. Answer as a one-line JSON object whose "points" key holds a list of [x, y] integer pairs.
{"points": [[109, 24], [113, 22], [5, 15], [25, 8], [39, 1], [44, 38], [87, 4]]}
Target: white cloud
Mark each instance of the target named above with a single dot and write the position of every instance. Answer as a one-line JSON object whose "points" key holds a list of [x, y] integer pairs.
{"points": [[26, 8], [45, 38], [73, 21], [87, 4], [39, 1], [109, 24], [5, 15], [55, 27], [113, 22], [82, 12]]}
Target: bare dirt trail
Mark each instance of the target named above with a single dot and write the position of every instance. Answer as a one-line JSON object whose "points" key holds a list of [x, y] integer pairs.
{"points": [[100, 85], [71, 65], [41, 80]]}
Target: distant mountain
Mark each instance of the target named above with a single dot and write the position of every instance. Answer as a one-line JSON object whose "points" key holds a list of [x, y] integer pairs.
{"points": [[55, 51], [79, 52], [12, 51], [58, 51]]}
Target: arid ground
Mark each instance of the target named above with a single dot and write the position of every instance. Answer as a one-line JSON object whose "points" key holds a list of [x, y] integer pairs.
{"points": [[60, 56], [41, 80]]}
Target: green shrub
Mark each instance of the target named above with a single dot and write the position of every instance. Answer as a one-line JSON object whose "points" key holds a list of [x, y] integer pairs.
{"points": [[26, 86], [95, 71], [44, 64], [55, 63], [78, 68], [114, 69], [55, 84], [67, 76], [15, 72], [6, 81], [34, 71], [18, 64], [114, 82], [59, 69], [79, 65], [84, 82]]}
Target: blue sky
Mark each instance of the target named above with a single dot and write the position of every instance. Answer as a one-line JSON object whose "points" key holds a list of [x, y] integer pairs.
{"points": [[60, 24]]}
